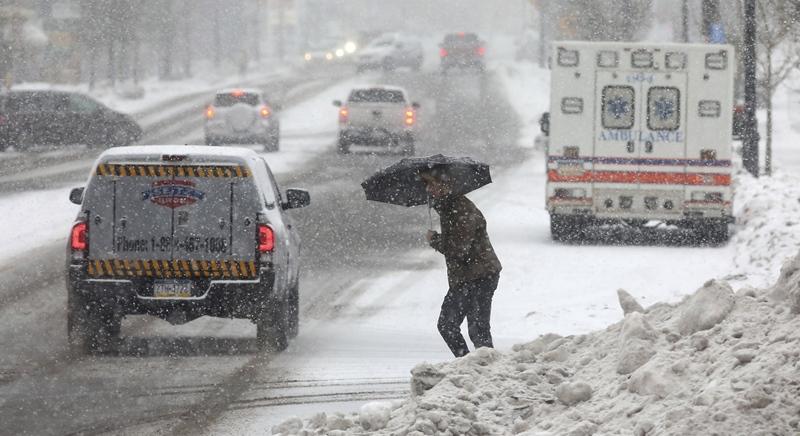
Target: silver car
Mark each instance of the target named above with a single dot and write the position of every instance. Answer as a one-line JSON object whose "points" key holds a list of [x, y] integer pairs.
{"points": [[242, 116]]}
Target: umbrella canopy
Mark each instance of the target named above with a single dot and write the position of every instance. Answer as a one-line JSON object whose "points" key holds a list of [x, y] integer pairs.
{"points": [[401, 184]]}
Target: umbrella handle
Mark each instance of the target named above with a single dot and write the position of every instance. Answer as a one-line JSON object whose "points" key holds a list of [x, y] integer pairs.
{"points": [[430, 214]]}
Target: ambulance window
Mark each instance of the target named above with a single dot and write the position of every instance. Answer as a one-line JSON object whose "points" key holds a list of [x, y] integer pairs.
{"points": [[642, 59], [607, 59], [568, 58], [675, 60], [618, 107], [717, 61], [663, 108], [572, 105], [709, 108]]}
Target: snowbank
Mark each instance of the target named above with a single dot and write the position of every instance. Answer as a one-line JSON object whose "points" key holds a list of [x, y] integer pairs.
{"points": [[702, 367], [767, 211]]}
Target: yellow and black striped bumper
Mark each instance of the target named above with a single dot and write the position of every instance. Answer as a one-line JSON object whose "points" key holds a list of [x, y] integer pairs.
{"points": [[172, 170], [171, 269]]}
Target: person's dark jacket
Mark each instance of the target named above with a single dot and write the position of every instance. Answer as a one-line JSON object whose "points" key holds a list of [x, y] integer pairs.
{"points": [[464, 241]]}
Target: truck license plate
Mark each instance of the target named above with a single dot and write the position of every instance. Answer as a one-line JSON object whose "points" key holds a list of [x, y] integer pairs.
{"points": [[172, 289]]}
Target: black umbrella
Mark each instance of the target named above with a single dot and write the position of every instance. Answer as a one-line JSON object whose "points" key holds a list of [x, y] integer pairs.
{"points": [[401, 184]]}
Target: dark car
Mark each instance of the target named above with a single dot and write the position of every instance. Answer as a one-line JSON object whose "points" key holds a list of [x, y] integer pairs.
{"points": [[462, 50], [61, 118]]}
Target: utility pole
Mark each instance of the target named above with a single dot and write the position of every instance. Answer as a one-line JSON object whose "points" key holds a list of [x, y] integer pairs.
{"points": [[281, 28], [217, 39], [257, 32], [750, 137], [542, 33], [685, 20]]}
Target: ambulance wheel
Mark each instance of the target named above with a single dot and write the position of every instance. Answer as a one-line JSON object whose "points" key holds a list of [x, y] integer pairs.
{"points": [[713, 232], [566, 228], [271, 327]]}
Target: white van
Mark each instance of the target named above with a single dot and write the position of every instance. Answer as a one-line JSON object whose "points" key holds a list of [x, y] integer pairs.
{"points": [[640, 132], [181, 232]]}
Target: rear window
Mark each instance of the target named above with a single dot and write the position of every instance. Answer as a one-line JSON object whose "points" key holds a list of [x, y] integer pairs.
{"points": [[35, 101], [230, 99], [461, 38], [376, 96]]}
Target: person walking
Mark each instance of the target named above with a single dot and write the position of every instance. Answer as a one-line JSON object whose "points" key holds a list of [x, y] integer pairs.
{"points": [[473, 268]]}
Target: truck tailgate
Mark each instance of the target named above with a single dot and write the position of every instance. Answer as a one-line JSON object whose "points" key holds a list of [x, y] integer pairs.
{"points": [[175, 221]]}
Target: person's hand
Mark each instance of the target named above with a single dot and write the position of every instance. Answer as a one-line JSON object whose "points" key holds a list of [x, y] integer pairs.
{"points": [[429, 236]]}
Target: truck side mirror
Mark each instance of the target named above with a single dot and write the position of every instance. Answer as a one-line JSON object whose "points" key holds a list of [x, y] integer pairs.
{"points": [[337, 103], [296, 198], [76, 195], [544, 123]]}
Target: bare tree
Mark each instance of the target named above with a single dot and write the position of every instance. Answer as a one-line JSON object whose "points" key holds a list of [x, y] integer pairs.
{"points": [[779, 43]]}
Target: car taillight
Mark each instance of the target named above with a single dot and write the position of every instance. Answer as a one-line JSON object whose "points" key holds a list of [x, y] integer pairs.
{"points": [[77, 240], [343, 115], [410, 116], [442, 52], [266, 239], [265, 112], [210, 112], [480, 51]]}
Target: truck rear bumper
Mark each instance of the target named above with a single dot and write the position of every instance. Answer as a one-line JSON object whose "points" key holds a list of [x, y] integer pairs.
{"points": [[224, 298], [372, 136]]}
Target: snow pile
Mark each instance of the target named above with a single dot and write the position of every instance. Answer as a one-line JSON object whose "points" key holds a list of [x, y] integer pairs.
{"points": [[718, 362], [767, 211]]}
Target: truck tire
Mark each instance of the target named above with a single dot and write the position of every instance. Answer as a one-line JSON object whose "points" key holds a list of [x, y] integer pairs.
{"points": [[566, 228], [293, 312], [272, 144], [92, 327], [343, 146], [271, 327], [409, 146]]}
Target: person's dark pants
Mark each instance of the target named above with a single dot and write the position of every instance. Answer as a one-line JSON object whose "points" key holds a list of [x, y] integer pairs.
{"points": [[472, 300]]}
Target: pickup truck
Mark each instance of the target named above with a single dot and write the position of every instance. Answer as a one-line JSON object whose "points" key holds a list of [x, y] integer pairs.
{"points": [[378, 116]]}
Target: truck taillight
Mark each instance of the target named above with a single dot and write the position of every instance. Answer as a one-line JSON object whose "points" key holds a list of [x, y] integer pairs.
{"points": [[480, 51], [77, 240], [442, 53], [344, 114], [410, 117], [265, 112], [266, 239], [210, 112]]}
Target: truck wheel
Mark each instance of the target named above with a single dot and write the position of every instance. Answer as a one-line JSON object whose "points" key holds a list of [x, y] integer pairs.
{"points": [[566, 228], [293, 312], [92, 327], [343, 145], [272, 144], [409, 146], [271, 327]]}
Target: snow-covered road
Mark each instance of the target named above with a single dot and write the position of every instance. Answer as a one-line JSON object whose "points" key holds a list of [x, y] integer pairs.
{"points": [[370, 289]]}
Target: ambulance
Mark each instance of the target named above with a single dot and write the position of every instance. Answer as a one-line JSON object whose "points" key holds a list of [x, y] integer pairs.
{"points": [[639, 133]]}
